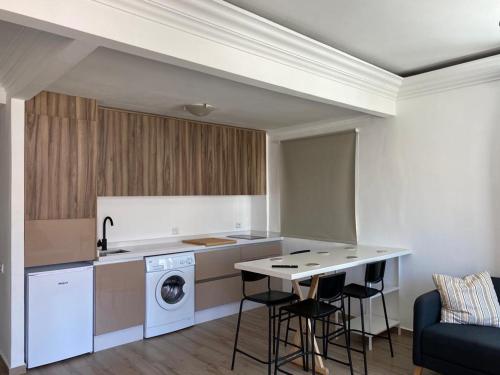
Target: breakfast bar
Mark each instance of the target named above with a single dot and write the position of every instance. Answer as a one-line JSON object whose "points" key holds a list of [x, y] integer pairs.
{"points": [[295, 267]]}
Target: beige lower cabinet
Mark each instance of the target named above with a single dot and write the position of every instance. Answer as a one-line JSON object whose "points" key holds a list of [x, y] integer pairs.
{"points": [[217, 263], [119, 296], [260, 251], [49, 242], [219, 283], [217, 292]]}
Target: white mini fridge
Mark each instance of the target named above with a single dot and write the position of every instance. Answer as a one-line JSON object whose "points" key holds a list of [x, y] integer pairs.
{"points": [[59, 313]]}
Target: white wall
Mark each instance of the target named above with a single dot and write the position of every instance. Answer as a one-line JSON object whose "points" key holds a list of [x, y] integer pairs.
{"points": [[154, 217], [12, 232], [4, 235], [17, 233], [429, 180]]}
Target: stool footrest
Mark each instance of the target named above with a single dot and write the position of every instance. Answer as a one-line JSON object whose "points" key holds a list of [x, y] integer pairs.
{"points": [[253, 357], [337, 360]]}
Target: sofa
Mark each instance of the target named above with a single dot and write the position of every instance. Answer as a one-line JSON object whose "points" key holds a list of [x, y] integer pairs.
{"points": [[452, 349]]}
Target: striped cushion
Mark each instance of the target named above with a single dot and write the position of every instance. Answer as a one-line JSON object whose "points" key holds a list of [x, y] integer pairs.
{"points": [[471, 300]]}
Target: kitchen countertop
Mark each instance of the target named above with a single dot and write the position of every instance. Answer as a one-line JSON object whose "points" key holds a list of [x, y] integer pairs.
{"points": [[139, 249]]}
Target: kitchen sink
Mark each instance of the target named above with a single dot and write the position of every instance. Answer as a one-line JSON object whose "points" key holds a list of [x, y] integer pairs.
{"points": [[112, 252]]}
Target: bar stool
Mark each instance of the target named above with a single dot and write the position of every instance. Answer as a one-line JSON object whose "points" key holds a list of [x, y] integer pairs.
{"points": [[271, 299], [330, 290], [374, 274]]}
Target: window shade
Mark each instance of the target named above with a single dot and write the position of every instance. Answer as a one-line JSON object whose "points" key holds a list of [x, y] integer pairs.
{"points": [[318, 187]]}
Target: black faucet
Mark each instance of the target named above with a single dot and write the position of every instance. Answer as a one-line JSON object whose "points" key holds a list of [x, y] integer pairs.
{"points": [[103, 244]]}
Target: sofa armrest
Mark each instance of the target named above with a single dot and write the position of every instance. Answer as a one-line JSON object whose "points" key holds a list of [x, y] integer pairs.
{"points": [[496, 285], [426, 312]]}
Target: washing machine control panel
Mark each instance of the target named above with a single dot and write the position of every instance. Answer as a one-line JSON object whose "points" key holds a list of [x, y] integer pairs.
{"points": [[169, 262]]}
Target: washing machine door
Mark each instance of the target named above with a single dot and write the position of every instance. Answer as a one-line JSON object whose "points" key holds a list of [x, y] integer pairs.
{"points": [[172, 290]]}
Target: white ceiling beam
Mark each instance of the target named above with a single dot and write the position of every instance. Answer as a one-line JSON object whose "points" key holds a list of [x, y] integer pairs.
{"points": [[215, 37], [37, 72]]}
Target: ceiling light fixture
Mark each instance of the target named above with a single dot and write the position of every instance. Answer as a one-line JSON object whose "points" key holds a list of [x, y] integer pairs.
{"points": [[199, 109]]}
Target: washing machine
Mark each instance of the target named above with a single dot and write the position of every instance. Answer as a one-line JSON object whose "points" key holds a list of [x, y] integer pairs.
{"points": [[169, 293]]}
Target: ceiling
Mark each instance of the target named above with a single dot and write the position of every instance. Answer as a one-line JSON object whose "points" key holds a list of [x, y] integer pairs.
{"points": [[20, 47], [8, 34], [402, 36], [126, 81]]}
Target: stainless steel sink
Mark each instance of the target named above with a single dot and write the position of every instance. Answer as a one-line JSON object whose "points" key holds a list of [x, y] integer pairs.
{"points": [[112, 252]]}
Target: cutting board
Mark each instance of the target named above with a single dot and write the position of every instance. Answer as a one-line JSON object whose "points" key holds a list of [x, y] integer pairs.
{"points": [[210, 241]]}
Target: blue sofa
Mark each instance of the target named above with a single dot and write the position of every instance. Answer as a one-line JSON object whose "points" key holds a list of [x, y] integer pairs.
{"points": [[453, 349]]}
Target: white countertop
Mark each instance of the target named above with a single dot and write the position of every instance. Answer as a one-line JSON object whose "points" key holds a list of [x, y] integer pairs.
{"points": [[160, 246], [337, 258]]}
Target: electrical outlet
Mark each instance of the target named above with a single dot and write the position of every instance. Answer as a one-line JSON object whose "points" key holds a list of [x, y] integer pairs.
{"points": [[175, 231], [237, 225]]}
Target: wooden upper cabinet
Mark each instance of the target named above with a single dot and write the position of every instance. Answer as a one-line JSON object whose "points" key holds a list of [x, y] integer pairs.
{"points": [[60, 179], [147, 155], [60, 157]]}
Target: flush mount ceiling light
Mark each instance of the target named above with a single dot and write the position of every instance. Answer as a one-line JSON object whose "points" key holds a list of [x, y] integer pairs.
{"points": [[199, 109]]}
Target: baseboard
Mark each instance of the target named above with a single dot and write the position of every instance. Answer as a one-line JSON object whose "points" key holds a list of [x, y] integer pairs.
{"points": [[17, 370], [222, 311], [117, 338], [163, 329], [3, 364], [11, 371], [406, 331]]}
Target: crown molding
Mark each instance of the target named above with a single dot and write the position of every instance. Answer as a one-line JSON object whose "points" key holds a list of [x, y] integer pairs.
{"points": [[317, 128], [215, 37], [453, 77], [273, 57], [225, 23]]}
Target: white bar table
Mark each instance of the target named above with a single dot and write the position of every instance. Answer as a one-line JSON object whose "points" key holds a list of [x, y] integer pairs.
{"points": [[314, 264]]}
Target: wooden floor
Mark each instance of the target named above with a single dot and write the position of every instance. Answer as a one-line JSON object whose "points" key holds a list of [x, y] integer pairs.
{"points": [[207, 348]]}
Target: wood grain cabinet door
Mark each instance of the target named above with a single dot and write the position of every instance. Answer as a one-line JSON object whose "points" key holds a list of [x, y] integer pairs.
{"points": [[60, 157], [147, 155], [119, 296], [60, 179], [59, 241]]}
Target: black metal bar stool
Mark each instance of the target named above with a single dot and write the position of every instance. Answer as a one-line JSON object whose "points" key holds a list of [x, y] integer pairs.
{"points": [[330, 290], [374, 274], [271, 299], [306, 284]]}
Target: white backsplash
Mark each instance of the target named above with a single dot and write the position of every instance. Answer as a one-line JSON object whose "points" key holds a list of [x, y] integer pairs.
{"points": [[137, 218]]}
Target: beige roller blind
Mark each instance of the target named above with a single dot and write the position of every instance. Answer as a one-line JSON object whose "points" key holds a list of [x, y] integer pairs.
{"points": [[318, 187]]}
